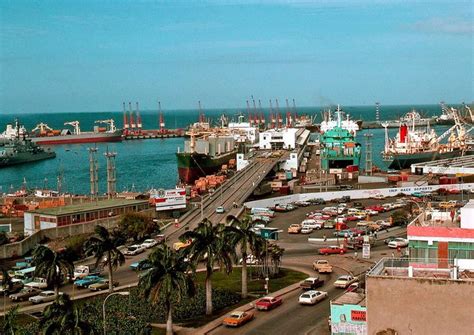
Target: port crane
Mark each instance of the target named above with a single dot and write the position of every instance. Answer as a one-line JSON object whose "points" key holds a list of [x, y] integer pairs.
{"points": [[75, 124], [42, 127], [110, 123]]}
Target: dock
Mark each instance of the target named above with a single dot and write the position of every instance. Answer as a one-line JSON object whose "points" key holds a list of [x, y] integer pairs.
{"points": [[153, 134]]}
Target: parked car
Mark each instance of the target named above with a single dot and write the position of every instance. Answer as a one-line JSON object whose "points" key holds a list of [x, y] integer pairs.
{"points": [[318, 201], [134, 250], [141, 265], [322, 266], [86, 281], [371, 212], [351, 217], [16, 286], [39, 283], [329, 224], [306, 230], [149, 243], [294, 228], [238, 318], [312, 297], [102, 285], [43, 297], [332, 249], [267, 303], [311, 223], [383, 223], [251, 260], [24, 294], [377, 208], [220, 210], [345, 281], [399, 242], [302, 203], [81, 271], [311, 283]]}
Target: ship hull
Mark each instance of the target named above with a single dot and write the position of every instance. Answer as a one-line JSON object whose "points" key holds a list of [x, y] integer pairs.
{"points": [[23, 159], [401, 162], [82, 138], [192, 166]]}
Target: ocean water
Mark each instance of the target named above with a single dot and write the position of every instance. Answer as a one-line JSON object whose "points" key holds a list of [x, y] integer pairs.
{"points": [[145, 164]]}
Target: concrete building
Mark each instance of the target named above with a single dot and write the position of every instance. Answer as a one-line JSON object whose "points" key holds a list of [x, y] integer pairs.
{"points": [[72, 214], [439, 237], [349, 314], [274, 139], [420, 299], [244, 132]]}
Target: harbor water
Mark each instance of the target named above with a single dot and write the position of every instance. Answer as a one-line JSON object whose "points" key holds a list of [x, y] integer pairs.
{"points": [[145, 164]]}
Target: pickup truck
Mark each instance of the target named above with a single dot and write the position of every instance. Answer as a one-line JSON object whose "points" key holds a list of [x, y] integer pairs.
{"points": [[81, 271], [311, 283], [39, 283], [322, 266], [345, 281]]}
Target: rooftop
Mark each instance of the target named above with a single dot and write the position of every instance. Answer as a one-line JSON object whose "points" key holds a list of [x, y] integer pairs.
{"points": [[443, 269], [455, 165], [350, 298], [85, 207]]}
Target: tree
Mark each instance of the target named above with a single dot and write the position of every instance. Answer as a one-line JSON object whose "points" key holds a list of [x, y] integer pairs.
{"points": [[275, 253], [53, 266], [137, 226], [10, 326], [211, 244], [3, 238], [168, 280], [62, 317], [400, 217], [103, 245], [241, 232]]}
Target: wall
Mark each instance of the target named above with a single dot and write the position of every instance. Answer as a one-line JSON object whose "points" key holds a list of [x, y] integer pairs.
{"points": [[419, 306], [354, 194], [345, 324]]}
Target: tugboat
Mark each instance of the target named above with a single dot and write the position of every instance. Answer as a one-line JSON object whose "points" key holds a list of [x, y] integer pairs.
{"points": [[20, 150]]}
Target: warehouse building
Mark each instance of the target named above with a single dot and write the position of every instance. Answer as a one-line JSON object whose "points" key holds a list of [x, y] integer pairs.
{"points": [[81, 213]]}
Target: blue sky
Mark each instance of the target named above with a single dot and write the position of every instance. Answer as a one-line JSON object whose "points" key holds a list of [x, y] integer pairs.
{"points": [[61, 56]]}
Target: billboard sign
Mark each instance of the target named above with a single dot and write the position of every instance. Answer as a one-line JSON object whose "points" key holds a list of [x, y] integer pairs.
{"points": [[169, 199], [366, 251]]}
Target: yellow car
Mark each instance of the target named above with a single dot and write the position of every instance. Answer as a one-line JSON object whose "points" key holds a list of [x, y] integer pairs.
{"points": [[181, 245], [238, 318]]}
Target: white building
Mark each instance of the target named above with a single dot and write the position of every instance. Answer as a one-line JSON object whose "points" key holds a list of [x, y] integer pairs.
{"points": [[279, 138], [243, 132]]}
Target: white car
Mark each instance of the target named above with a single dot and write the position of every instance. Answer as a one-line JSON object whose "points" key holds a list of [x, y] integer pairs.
{"points": [[345, 281], [251, 260], [134, 250], [39, 283], [371, 212], [383, 223], [44, 296], [149, 243], [220, 210], [312, 297], [306, 230], [399, 242], [312, 223]]}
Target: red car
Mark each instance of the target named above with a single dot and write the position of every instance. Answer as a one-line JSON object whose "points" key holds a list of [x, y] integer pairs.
{"points": [[268, 303], [377, 208], [332, 250], [351, 218]]}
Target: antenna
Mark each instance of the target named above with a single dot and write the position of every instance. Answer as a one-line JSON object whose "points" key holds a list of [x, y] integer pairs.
{"points": [[111, 175], [368, 154], [93, 168]]}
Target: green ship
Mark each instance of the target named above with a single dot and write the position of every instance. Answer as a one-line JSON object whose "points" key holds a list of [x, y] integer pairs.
{"points": [[339, 148], [21, 150]]}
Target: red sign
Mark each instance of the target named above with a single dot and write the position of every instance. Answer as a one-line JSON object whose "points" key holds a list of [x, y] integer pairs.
{"points": [[358, 315]]}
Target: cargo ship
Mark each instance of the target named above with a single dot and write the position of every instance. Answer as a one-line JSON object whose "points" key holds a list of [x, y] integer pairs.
{"points": [[338, 146], [42, 134], [21, 150], [341, 121], [203, 156], [412, 145]]}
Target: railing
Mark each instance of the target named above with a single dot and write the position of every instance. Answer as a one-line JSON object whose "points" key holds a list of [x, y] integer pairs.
{"points": [[413, 267]]}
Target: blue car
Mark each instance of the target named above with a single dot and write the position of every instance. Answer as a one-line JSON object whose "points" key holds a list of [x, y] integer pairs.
{"points": [[140, 265], [88, 280]]}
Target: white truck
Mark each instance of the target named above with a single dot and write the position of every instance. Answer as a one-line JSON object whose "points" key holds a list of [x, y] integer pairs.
{"points": [[39, 283], [322, 266]]}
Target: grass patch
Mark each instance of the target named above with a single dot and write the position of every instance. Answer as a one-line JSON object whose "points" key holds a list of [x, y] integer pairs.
{"points": [[233, 281]]}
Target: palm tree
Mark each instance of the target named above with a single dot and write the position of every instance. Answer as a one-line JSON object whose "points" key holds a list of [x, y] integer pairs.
{"points": [[103, 245], [210, 244], [62, 317], [10, 326], [275, 253], [51, 265], [242, 233], [168, 279]]}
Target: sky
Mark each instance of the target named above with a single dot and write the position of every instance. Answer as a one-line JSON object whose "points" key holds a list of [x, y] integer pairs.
{"points": [[83, 56]]}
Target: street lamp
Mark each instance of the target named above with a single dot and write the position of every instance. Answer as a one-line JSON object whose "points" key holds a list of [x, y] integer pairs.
{"points": [[124, 293]]}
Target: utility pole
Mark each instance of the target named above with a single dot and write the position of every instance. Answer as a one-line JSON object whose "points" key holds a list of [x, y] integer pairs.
{"points": [[368, 154], [93, 167], [111, 175]]}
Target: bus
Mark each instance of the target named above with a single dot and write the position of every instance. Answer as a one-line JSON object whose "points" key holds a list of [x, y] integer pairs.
{"points": [[25, 275]]}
